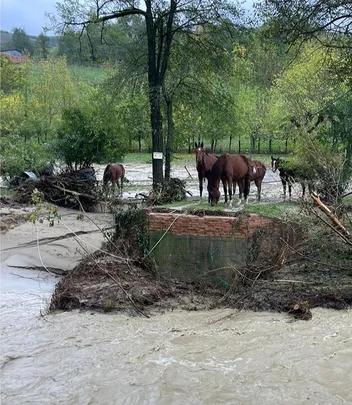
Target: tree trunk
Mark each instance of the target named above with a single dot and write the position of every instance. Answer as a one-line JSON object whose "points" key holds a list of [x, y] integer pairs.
{"points": [[212, 145], [230, 143], [139, 141], [170, 136], [258, 146], [154, 84], [239, 145], [270, 146], [157, 139], [286, 146]]}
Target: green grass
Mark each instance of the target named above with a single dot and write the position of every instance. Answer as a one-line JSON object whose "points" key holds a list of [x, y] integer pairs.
{"points": [[181, 158], [282, 210], [88, 73], [194, 205], [144, 157]]}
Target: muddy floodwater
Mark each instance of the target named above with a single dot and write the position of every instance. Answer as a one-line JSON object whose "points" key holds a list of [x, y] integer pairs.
{"points": [[220, 356]]}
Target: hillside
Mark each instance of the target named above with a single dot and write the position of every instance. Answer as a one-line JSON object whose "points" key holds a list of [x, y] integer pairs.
{"points": [[5, 40]]}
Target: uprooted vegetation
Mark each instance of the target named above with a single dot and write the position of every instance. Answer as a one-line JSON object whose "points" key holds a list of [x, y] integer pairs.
{"points": [[72, 189], [317, 271], [168, 191]]}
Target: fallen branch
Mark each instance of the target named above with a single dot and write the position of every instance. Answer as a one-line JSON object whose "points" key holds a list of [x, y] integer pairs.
{"points": [[188, 172], [335, 221]]}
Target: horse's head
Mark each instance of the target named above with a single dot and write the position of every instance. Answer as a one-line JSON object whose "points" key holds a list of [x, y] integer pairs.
{"points": [[214, 194], [275, 163], [200, 152]]}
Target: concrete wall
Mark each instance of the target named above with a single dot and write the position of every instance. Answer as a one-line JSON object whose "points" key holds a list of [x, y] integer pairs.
{"points": [[208, 247]]}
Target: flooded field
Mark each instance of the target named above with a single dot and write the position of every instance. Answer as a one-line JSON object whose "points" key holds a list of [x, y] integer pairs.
{"points": [[140, 177], [220, 356]]}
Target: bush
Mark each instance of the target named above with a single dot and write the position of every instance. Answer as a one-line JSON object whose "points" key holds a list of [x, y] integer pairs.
{"points": [[83, 140], [19, 155]]}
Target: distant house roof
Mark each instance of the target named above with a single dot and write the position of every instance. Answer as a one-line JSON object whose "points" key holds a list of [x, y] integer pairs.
{"points": [[14, 55]]}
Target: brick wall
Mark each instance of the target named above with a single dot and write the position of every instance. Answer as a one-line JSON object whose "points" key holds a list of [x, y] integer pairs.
{"points": [[242, 226]]}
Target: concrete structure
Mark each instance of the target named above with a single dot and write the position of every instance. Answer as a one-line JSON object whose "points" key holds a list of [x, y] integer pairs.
{"points": [[191, 247]]}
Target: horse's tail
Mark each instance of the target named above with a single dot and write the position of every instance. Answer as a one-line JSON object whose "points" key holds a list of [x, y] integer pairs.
{"points": [[122, 173], [107, 174]]}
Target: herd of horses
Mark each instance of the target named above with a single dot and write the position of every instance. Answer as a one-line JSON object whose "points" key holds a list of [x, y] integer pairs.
{"points": [[229, 169]]}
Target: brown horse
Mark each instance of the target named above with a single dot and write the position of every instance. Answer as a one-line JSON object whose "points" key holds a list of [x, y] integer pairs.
{"points": [[204, 163], [113, 173], [229, 169], [257, 172]]}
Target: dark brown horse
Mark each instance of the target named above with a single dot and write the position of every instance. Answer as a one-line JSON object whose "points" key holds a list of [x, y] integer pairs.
{"points": [[229, 169], [204, 163], [114, 173], [257, 172]]}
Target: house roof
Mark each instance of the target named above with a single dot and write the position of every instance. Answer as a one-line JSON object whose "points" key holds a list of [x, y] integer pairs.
{"points": [[11, 52]]}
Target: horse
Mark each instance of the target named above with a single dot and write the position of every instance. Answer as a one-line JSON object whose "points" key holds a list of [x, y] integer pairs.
{"points": [[288, 176], [257, 172], [229, 169], [113, 173], [204, 163]]}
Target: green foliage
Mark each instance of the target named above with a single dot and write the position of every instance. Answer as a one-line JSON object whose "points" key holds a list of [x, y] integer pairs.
{"points": [[12, 75], [82, 141], [131, 232], [43, 211], [18, 155], [21, 41]]}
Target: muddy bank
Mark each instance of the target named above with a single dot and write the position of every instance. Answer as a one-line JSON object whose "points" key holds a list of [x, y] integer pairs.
{"points": [[280, 268], [107, 284]]}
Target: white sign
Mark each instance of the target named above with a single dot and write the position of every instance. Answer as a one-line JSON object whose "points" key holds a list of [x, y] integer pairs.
{"points": [[158, 155]]}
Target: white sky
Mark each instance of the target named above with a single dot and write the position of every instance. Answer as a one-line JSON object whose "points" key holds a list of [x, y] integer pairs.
{"points": [[30, 14]]}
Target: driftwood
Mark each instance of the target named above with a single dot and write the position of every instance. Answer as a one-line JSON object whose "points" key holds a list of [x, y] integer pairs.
{"points": [[336, 223], [188, 172]]}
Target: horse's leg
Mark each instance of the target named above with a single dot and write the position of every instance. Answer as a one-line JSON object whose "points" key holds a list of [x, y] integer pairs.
{"points": [[289, 190], [200, 178], [246, 187], [241, 188], [225, 189], [284, 187], [229, 185], [258, 184]]}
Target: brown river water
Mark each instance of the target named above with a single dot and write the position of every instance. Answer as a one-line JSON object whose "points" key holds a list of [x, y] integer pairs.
{"points": [[214, 357]]}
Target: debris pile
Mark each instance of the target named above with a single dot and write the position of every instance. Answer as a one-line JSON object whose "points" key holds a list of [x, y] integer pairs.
{"points": [[167, 192], [73, 189]]}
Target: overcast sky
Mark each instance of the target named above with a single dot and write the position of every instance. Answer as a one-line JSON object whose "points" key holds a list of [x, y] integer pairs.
{"points": [[30, 14], [26, 14]]}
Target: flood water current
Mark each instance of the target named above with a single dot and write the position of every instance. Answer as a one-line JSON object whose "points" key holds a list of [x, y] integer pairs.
{"points": [[214, 357]]}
